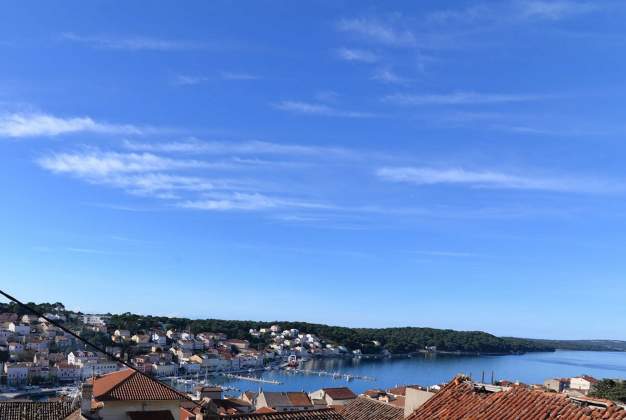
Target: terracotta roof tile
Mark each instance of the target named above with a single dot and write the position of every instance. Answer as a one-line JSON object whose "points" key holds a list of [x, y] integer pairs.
{"points": [[26, 410], [287, 399], [324, 414], [265, 410], [342, 393], [364, 408], [462, 400], [130, 385]]}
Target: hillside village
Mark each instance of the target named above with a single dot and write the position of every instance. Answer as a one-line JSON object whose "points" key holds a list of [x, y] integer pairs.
{"points": [[38, 352]]}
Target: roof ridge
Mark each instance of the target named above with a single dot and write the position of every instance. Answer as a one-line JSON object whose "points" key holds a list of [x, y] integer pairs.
{"points": [[120, 383]]}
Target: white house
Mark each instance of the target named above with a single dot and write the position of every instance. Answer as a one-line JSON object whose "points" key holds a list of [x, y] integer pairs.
{"points": [[582, 383], [159, 338], [185, 344], [190, 367], [95, 320], [15, 347], [165, 369], [81, 358], [37, 344], [16, 373], [101, 367], [19, 329], [67, 372], [141, 338], [240, 344], [30, 319], [121, 335]]}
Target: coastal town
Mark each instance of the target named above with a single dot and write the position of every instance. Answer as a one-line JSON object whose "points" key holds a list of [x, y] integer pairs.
{"points": [[40, 353], [42, 361]]}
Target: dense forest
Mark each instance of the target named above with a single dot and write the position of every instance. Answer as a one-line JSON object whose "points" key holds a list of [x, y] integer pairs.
{"points": [[368, 340], [588, 345]]}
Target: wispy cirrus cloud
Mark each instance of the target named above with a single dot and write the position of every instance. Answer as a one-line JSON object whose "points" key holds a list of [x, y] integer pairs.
{"points": [[230, 75], [137, 173], [247, 201], [353, 54], [134, 43], [40, 125], [377, 31], [556, 9], [195, 146], [183, 183], [97, 163], [387, 75], [314, 109], [188, 80], [495, 180], [516, 11], [460, 98], [191, 80]]}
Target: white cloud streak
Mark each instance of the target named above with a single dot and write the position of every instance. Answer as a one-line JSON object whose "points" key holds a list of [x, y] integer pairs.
{"points": [[97, 163], [136, 173], [187, 80], [351, 54], [247, 201], [493, 179], [517, 11], [227, 75], [18, 125], [386, 75], [554, 10], [307, 108], [194, 146], [460, 98], [137, 43], [376, 31], [150, 175]]}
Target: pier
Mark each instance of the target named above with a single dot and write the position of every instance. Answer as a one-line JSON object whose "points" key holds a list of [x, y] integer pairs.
{"points": [[334, 375], [251, 379]]}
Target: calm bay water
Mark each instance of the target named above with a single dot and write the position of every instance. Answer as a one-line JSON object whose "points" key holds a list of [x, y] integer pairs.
{"points": [[429, 370]]}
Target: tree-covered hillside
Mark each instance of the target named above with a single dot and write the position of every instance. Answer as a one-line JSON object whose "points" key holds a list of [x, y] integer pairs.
{"points": [[368, 340]]}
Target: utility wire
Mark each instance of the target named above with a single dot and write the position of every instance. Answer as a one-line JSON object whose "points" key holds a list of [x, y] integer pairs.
{"points": [[96, 347]]}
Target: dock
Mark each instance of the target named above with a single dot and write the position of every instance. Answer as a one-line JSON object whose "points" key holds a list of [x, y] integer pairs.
{"points": [[334, 375], [251, 379]]}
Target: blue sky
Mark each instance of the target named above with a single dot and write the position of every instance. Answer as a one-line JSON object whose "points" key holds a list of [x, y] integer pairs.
{"points": [[455, 165]]}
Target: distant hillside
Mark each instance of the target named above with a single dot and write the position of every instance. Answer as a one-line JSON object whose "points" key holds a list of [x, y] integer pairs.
{"points": [[589, 345], [368, 340]]}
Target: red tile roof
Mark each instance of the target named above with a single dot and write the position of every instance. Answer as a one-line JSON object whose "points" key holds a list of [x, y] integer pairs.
{"points": [[401, 390], [324, 414], [50, 410], [299, 399], [342, 393], [462, 400], [127, 385], [364, 408], [265, 410]]}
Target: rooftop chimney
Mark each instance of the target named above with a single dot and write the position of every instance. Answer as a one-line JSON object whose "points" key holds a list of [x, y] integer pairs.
{"points": [[86, 396]]}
